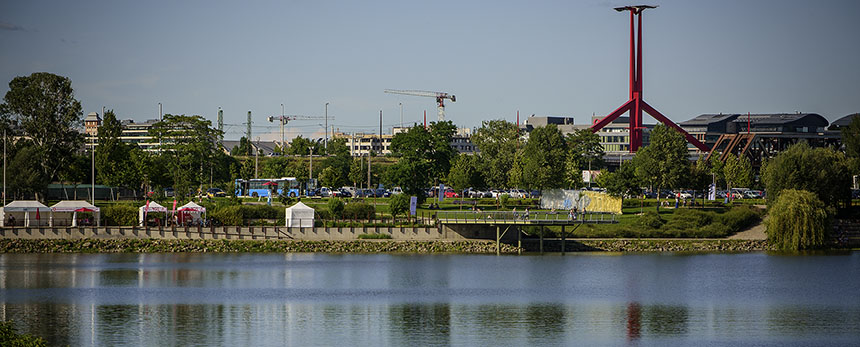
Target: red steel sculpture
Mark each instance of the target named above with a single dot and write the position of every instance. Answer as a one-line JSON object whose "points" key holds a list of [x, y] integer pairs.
{"points": [[635, 105]]}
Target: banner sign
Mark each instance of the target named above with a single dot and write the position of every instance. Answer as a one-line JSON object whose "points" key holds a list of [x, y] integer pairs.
{"points": [[413, 205], [582, 200]]}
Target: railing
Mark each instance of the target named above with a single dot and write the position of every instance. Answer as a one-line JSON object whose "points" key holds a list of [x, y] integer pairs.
{"points": [[523, 217]]}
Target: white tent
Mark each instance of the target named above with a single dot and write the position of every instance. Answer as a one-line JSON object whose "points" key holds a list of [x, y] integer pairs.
{"points": [[300, 215], [72, 207], [153, 207], [26, 213], [191, 211]]}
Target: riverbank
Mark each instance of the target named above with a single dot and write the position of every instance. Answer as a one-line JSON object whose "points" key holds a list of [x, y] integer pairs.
{"points": [[370, 246]]}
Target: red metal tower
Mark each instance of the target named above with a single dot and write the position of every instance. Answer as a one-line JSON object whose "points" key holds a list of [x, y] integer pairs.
{"points": [[635, 105]]}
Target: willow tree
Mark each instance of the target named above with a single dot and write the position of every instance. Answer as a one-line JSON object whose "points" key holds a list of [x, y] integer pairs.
{"points": [[797, 220]]}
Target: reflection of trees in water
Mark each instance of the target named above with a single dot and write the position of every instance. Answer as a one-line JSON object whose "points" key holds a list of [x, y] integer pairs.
{"points": [[663, 320], [420, 324], [545, 323], [799, 321], [53, 322]]}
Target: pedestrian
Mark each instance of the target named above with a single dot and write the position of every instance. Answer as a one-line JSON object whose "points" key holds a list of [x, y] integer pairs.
{"points": [[526, 216]]}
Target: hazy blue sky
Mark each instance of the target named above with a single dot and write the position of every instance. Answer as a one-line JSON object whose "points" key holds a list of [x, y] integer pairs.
{"points": [[565, 58]]}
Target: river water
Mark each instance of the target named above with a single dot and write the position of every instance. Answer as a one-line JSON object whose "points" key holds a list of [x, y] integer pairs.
{"points": [[473, 300]]}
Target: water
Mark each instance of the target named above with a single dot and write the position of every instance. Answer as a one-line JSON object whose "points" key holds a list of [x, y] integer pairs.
{"points": [[321, 299]]}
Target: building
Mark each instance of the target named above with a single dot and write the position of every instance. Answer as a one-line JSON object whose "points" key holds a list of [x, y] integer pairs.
{"points": [[138, 134], [838, 124], [91, 124], [758, 136], [361, 144]]}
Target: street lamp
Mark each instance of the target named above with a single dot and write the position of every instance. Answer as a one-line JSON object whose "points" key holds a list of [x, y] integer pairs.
{"points": [[283, 143], [325, 143]]}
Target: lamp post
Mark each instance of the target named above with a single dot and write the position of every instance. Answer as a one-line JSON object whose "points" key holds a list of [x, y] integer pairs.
{"points": [[325, 142], [401, 113]]}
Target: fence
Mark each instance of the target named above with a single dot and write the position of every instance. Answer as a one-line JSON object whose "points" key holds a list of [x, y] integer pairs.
{"points": [[212, 232]]}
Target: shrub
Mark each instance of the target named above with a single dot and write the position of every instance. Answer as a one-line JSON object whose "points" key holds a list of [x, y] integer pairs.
{"points": [[335, 206], [651, 220], [228, 215], [323, 214], [361, 210], [374, 236], [738, 218], [120, 215], [503, 200], [798, 220]]}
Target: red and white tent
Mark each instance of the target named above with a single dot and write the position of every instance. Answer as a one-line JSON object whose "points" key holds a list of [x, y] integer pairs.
{"points": [[26, 213], [146, 210], [71, 208], [190, 211]]}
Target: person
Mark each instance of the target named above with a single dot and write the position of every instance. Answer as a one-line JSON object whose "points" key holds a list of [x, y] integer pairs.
{"points": [[570, 215], [11, 220], [526, 216], [515, 212]]}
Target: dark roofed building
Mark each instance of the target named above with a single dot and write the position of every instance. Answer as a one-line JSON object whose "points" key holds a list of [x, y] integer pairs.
{"points": [[843, 122]]}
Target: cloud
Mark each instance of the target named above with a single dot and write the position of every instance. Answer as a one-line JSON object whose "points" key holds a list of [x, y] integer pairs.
{"points": [[11, 27]]}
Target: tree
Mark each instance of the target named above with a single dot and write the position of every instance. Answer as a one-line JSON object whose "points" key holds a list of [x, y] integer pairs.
{"points": [[663, 163], [425, 155], [113, 157], [244, 147], [358, 171], [44, 106], [822, 171], [797, 220], [584, 151], [543, 158], [700, 174], [738, 171], [398, 204], [498, 141], [621, 182], [189, 143], [329, 177], [851, 141], [339, 160], [465, 173], [299, 146]]}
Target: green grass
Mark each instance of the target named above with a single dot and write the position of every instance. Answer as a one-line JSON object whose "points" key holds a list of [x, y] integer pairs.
{"points": [[373, 236]]}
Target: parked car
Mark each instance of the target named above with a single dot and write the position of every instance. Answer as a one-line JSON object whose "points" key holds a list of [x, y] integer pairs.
{"points": [[450, 193], [753, 194], [215, 193], [855, 193], [396, 190], [324, 192], [382, 193]]}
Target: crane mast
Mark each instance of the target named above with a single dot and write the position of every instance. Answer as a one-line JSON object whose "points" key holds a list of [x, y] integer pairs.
{"points": [[440, 98]]}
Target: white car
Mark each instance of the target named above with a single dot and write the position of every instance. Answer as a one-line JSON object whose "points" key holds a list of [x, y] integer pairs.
{"points": [[396, 190]]}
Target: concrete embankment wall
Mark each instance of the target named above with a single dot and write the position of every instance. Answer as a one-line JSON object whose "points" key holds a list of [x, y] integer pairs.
{"points": [[232, 233]]}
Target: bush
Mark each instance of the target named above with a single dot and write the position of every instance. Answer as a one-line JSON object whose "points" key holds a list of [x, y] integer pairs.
{"points": [[738, 218], [335, 206], [798, 220], [262, 212], [10, 337], [374, 236], [228, 215], [503, 200], [651, 220], [120, 215], [361, 210]]}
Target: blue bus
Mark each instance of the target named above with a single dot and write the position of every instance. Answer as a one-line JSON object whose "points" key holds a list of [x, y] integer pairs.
{"points": [[263, 187]]}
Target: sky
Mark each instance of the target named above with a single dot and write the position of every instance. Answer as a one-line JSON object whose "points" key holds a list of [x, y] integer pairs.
{"points": [[559, 58]]}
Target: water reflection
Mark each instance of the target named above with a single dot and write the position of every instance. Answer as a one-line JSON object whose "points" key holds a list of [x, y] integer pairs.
{"points": [[270, 299]]}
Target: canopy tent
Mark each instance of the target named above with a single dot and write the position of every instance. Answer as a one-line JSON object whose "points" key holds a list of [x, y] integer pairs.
{"points": [[153, 207], [70, 208], [26, 213], [190, 212], [300, 215]]}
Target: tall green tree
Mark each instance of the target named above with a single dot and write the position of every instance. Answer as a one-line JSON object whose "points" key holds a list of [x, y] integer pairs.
{"points": [[622, 181], [244, 147], [465, 173], [544, 158], [664, 162], [358, 171], [339, 160], [189, 142], [584, 151], [822, 171], [851, 141], [113, 157], [43, 105], [498, 142], [738, 171], [425, 156]]}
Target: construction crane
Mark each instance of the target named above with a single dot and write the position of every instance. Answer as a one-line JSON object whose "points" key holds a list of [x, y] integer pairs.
{"points": [[440, 98], [287, 118]]}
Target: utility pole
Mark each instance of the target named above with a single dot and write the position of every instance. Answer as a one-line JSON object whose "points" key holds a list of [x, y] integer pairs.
{"points": [[221, 123], [401, 114], [311, 175], [283, 143], [160, 119], [256, 150], [4, 167], [248, 130]]}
